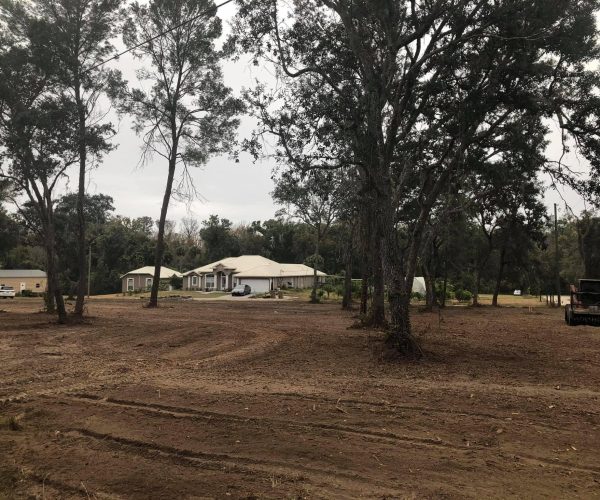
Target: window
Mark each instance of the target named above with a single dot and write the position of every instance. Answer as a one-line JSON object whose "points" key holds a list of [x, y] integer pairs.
{"points": [[148, 282], [37, 285], [210, 281], [130, 286], [194, 280]]}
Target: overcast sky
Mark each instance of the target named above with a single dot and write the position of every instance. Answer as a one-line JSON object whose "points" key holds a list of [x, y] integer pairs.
{"points": [[237, 191]]}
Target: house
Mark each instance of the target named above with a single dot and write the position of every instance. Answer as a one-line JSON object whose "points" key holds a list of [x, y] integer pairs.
{"points": [[32, 280], [260, 273], [141, 279]]}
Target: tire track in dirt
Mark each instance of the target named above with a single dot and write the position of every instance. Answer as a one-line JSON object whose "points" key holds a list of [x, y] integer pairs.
{"points": [[179, 412], [244, 465], [64, 487], [389, 408], [387, 437]]}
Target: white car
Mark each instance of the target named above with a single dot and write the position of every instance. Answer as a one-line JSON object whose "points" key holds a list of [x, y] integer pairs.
{"points": [[7, 292], [517, 292]]}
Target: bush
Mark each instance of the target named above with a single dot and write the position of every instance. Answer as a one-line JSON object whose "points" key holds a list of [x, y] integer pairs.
{"points": [[463, 295], [27, 293], [417, 296], [176, 282]]}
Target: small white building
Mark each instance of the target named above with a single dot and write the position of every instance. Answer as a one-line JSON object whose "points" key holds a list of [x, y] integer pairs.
{"points": [[418, 285], [260, 273]]}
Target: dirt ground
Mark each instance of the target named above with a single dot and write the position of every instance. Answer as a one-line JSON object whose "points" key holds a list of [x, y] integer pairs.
{"points": [[256, 399]]}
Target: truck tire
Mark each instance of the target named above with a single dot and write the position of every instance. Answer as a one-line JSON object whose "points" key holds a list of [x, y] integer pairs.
{"points": [[570, 317]]}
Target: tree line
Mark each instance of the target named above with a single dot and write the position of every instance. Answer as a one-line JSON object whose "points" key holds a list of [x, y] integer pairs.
{"points": [[118, 244], [461, 256], [398, 121]]}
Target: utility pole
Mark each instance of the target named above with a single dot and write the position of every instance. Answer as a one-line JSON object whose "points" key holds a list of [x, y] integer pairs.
{"points": [[89, 270], [556, 257]]}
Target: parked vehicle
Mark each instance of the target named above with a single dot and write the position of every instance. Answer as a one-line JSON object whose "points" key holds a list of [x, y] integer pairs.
{"points": [[517, 292], [241, 290], [7, 292], [584, 308]]}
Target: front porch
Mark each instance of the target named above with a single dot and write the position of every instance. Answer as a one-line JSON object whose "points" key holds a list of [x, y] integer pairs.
{"points": [[221, 280]]}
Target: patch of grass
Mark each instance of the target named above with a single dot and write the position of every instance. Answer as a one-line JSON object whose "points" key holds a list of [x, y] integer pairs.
{"points": [[12, 423]]}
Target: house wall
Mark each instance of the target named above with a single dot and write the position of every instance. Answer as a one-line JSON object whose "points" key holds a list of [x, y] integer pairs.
{"points": [[36, 285], [298, 281], [187, 282], [139, 281], [201, 283]]}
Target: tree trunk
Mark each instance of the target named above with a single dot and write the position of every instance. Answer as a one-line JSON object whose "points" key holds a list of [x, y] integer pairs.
{"points": [[499, 276], [160, 240], [377, 313], [366, 261], [477, 286], [53, 284], [49, 301], [347, 298], [81, 246], [445, 286], [313, 294], [54, 292], [400, 283], [429, 289]]}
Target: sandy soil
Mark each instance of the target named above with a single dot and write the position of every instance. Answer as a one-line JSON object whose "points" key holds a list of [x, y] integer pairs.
{"points": [[282, 400]]}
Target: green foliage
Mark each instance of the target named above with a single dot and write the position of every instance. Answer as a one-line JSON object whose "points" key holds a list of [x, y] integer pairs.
{"points": [[328, 288], [463, 295], [176, 282], [218, 239]]}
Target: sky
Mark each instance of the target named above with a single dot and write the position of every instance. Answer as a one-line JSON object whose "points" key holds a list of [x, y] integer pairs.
{"points": [[237, 191]]}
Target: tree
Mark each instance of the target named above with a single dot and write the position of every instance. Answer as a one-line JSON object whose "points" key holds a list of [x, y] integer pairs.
{"points": [[9, 230], [317, 201], [97, 211], [217, 238], [37, 145], [412, 87], [588, 243], [188, 114], [76, 35]]}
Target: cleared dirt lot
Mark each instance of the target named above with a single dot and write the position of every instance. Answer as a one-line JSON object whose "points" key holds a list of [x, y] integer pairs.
{"points": [[281, 400]]}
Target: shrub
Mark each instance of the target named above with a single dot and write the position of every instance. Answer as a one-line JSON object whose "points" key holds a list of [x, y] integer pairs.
{"points": [[417, 296], [176, 282], [463, 295]]}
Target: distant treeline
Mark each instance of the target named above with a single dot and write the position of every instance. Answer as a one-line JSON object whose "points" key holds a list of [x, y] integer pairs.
{"points": [[119, 244], [461, 254]]}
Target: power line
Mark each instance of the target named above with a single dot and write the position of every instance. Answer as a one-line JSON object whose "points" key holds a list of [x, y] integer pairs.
{"points": [[163, 33]]}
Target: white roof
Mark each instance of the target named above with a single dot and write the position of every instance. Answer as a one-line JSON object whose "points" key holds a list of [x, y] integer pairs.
{"points": [[298, 270], [165, 272], [256, 266], [238, 264]]}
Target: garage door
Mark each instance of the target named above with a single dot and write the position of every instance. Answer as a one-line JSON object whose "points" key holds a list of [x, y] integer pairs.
{"points": [[257, 285]]}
